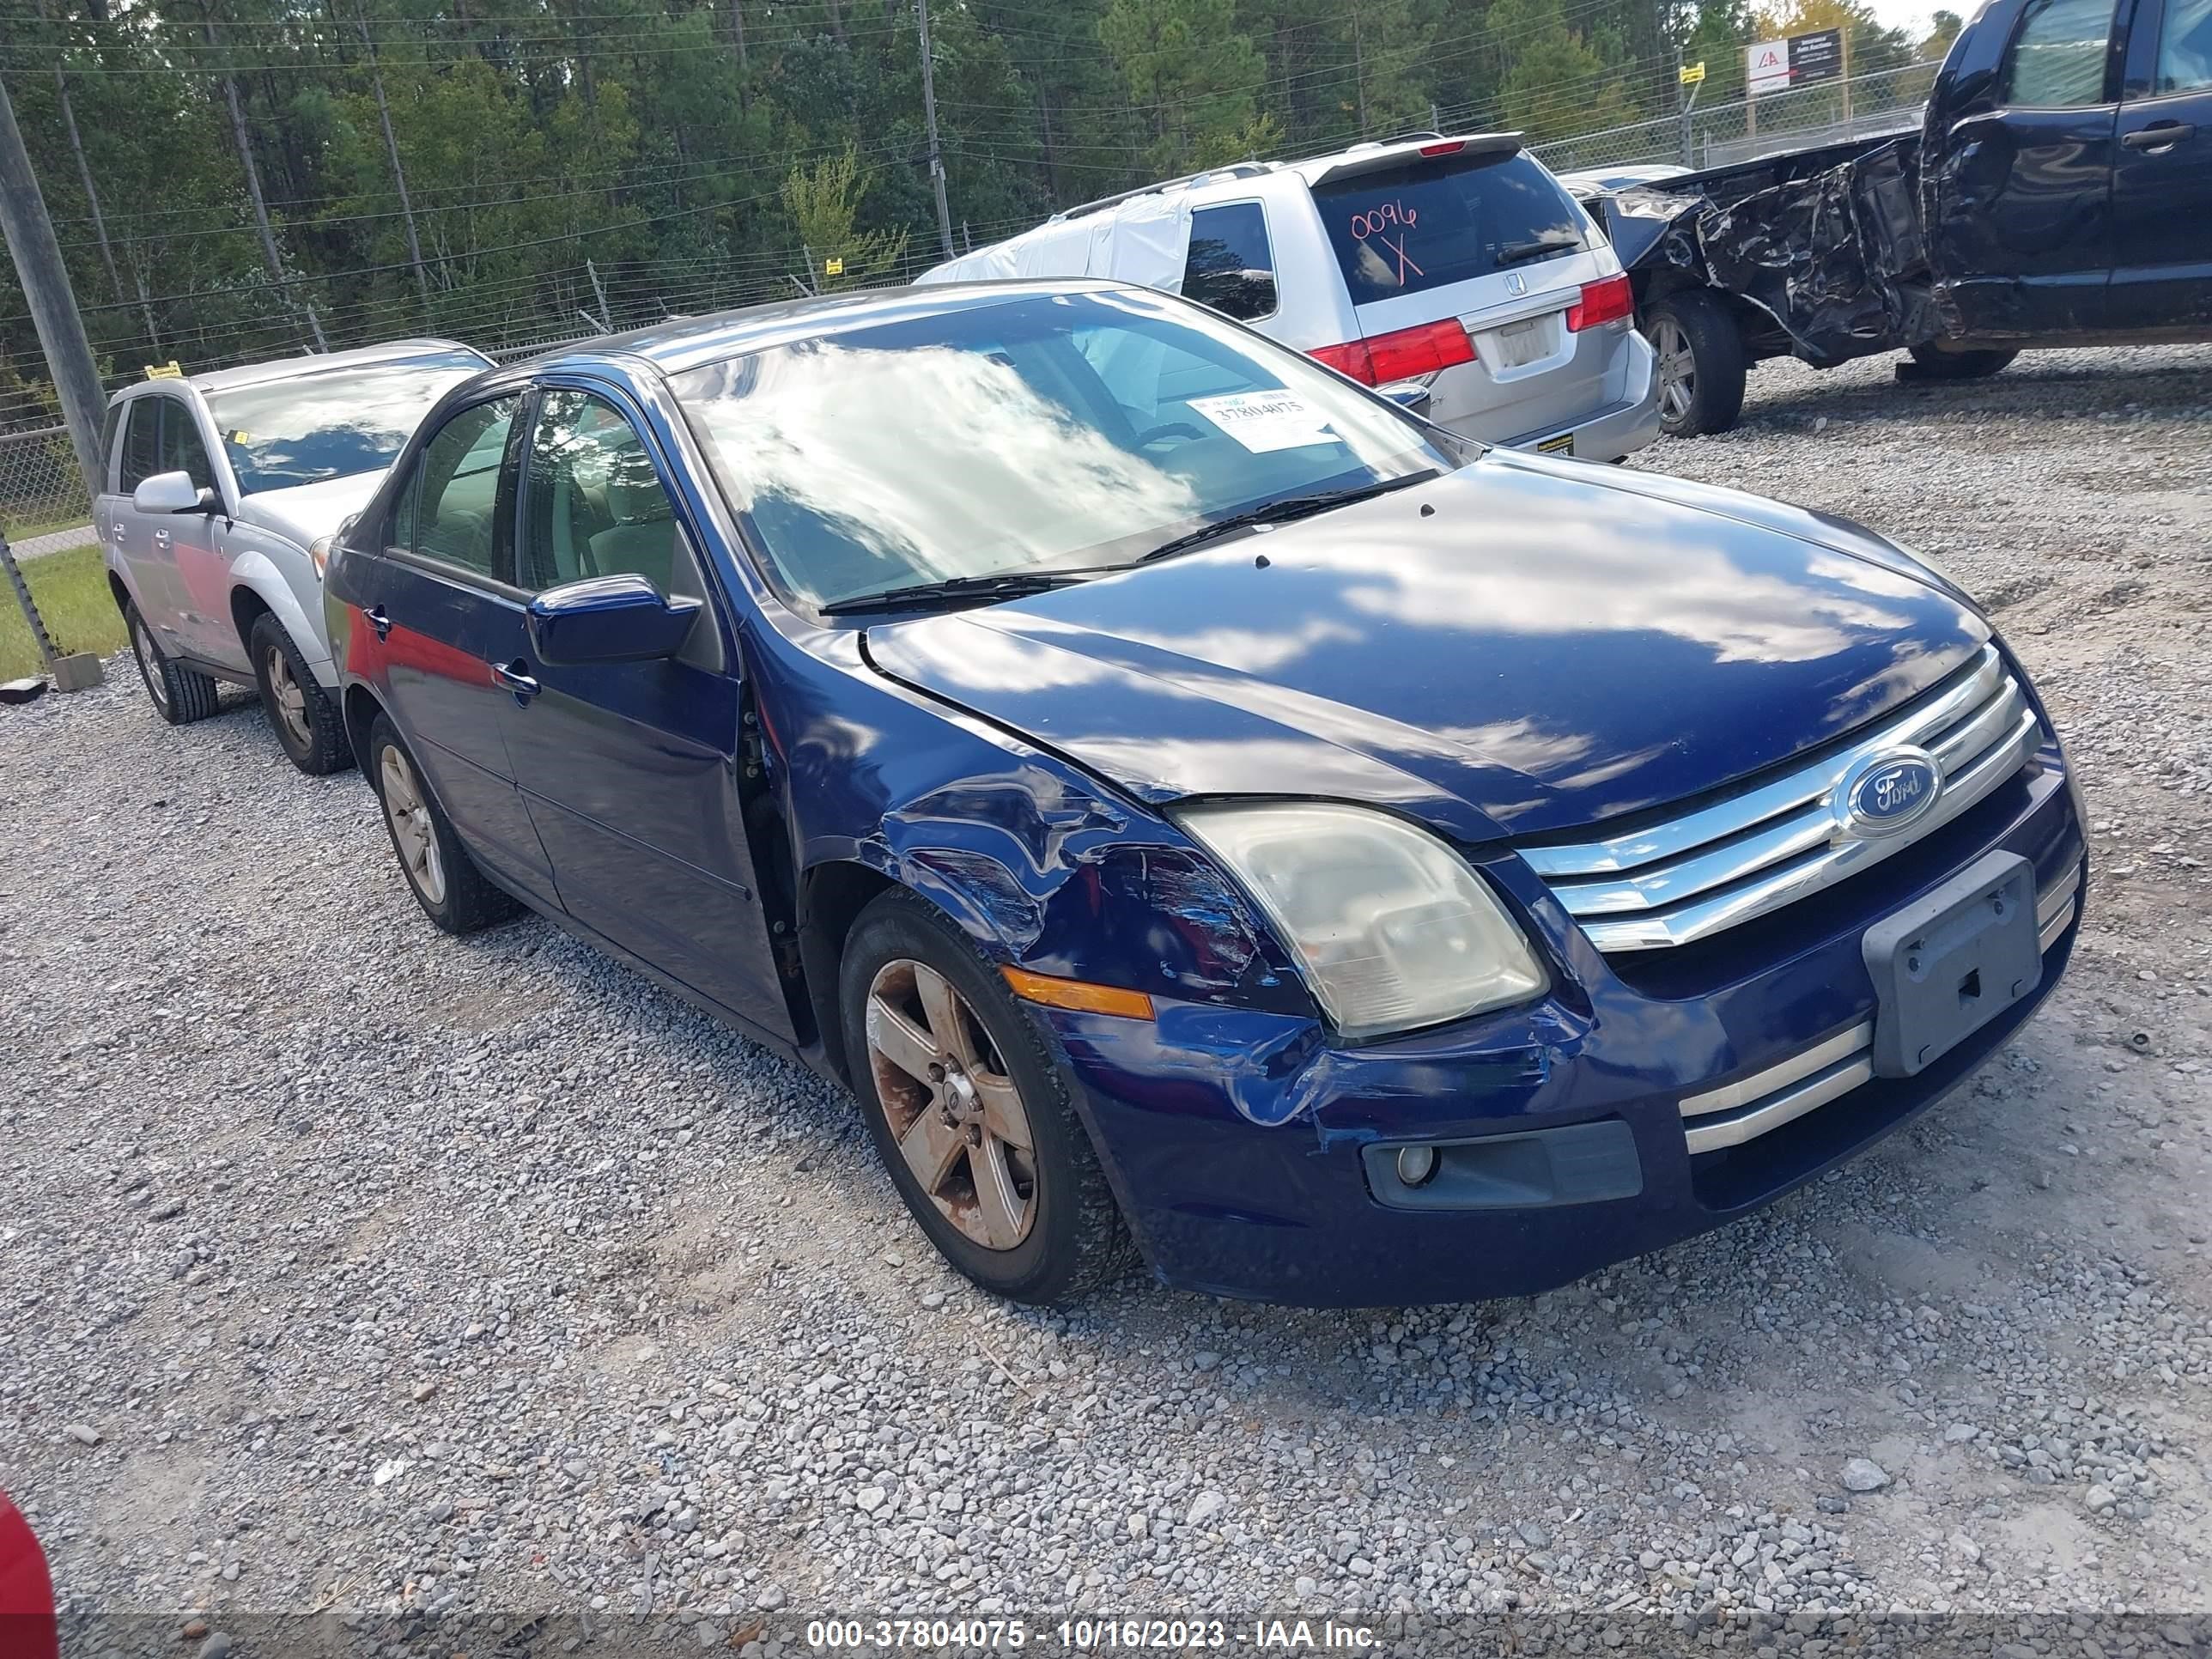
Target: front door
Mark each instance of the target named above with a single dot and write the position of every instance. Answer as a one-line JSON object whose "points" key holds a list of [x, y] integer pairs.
{"points": [[2021, 234], [2162, 183], [195, 545], [437, 611], [632, 770]]}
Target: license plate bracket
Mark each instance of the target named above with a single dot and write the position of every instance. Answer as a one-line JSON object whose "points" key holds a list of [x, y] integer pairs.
{"points": [[1944, 967], [1520, 344]]}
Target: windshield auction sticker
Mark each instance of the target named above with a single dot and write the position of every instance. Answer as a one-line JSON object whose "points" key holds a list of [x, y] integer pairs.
{"points": [[1262, 420]]}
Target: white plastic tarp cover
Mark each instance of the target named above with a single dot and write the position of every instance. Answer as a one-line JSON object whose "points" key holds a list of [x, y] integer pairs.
{"points": [[1145, 241], [1151, 242]]}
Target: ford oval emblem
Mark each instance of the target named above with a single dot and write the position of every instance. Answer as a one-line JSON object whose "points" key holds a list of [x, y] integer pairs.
{"points": [[1887, 792]]}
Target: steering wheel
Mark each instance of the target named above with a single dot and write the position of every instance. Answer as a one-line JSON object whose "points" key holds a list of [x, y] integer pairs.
{"points": [[1171, 429]]}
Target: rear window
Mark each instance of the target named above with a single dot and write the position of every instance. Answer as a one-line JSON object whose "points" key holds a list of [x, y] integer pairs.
{"points": [[1428, 222]]}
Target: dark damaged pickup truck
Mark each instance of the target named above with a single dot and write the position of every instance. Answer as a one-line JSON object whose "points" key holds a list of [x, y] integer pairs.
{"points": [[2058, 192]]}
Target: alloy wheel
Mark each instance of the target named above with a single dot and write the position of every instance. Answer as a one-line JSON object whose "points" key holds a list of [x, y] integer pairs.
{"points": [[290, 701], [412, 832], [1678, 367], [150, 663], [955, 1112]]}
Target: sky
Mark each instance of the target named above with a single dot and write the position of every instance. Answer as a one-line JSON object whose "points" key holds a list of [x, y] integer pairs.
{"points": [[1911, 15]]}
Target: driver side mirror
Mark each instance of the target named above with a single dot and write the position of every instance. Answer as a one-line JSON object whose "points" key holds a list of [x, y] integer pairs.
{"points": [[1407, 394], [609, 619], [174, 492]]}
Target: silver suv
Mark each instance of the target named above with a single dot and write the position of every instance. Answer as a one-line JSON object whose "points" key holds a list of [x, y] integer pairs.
{"points": [[1454, 273], [222, 491]]}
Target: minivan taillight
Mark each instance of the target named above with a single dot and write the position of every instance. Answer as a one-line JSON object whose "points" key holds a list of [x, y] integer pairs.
{"points": [[1606, 301], [1400, 354]]}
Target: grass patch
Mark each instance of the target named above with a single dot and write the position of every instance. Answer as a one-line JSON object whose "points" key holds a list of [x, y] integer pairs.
{"points": [[21, 529], [70, 590]]}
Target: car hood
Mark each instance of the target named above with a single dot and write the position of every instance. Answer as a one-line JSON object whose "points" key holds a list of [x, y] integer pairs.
{"points": [[307, 511], [1522, 645]]}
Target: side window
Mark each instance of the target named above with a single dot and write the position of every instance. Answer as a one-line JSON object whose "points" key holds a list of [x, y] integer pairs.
{"points": [[2185, 47], [449, 512], [111, 433], [1231, 265], [2057, 58], [182, 450], [141, 443], [594, 505]]}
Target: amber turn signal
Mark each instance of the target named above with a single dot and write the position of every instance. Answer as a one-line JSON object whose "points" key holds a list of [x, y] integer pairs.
{"points": [[1084, 998]]}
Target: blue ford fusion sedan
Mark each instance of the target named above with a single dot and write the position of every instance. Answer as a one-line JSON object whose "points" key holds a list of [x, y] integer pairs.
{"points": [[1197, 805]]}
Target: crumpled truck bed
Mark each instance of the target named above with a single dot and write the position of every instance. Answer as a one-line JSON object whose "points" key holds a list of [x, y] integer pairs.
{"points": [[1829, 242]]}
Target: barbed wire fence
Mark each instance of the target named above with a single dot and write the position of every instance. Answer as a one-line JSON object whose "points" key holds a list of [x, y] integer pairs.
{"points": [[41, 491]]}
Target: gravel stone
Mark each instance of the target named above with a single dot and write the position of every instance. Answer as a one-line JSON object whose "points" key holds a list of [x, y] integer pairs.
{"points": [[510, 1166], [1864, 1474]]}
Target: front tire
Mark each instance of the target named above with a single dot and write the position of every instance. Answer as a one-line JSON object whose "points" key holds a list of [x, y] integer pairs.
{"points": [[445, 880], [1932, 362], [180, 694], [971, 1112], [1701, 366], [300, 713]]}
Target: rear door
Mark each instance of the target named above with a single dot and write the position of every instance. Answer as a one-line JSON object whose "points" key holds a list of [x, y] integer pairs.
{"points": [[2021, 235], [1491, 239], [438, 610], [2162, 174], [632, 770]]}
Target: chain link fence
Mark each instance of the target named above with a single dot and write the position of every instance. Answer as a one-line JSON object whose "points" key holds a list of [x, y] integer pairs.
{"points": [[1888, 100], [40, 488]]}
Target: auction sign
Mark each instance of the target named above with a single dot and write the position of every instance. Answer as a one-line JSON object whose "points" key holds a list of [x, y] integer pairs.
{"points": [[1802, 59]]}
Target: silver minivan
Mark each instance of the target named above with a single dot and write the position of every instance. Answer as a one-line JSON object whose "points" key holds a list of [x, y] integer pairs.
{"points": [[221, 494], [1455, 271]]}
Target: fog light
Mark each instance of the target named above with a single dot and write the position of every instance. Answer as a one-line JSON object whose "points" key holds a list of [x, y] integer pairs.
{"points": [[1416, 1164]]}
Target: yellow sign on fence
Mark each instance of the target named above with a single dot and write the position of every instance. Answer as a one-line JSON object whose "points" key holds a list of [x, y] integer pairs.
{"points": [[833, 267], [1692, 73], [168, 371]]}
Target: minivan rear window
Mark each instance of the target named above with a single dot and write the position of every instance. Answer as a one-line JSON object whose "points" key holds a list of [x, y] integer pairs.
{"points": [[1433, 221]]}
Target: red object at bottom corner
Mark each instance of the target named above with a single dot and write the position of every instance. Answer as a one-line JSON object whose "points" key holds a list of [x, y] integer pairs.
{"points": [[27, 1593]]}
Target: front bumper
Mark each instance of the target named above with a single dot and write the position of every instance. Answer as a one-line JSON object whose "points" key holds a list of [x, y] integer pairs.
{"points": [[1248, 1153]]}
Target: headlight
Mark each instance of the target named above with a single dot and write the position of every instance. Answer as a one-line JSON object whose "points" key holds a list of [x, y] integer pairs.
{"points": [[1392, 928], [319, 554]]}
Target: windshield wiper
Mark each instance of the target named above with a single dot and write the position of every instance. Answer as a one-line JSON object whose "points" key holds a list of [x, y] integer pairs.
{"points": [[1514, 252], [1002, 585], [1282, 511]]}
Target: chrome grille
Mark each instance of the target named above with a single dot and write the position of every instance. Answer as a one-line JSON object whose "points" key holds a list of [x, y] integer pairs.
{"points": [[1688, 877]]}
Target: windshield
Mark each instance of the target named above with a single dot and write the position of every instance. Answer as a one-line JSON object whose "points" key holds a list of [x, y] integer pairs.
{"points": [[333, 422], [1037, 434], [1429, 221]]}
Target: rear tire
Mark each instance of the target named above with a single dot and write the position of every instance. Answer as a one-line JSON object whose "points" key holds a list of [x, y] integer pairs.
{"points": [[1701, 366], [1034, 1224], [1930, 362], [445, 880], [180, 694], [300, 713]]}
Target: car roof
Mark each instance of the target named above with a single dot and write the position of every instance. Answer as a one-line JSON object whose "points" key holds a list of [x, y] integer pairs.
{"points": [[687, 342], [290, 369]]}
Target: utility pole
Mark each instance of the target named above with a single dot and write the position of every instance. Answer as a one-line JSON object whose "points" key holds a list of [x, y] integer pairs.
{"points": [[46, 286], [929, 112]]}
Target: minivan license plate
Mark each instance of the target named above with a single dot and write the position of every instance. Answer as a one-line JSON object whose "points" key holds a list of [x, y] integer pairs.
{"points": [[1519, 343]]}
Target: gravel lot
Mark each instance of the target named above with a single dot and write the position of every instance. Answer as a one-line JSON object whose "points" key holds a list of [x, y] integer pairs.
{"points": [[345, 1265]]}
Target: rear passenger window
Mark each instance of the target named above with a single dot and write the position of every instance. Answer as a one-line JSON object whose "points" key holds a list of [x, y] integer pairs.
{"points": [[2059, 56], [142, 449], [2185, 47], [1231, 265], [182, 450], [450, 510], [110, 435]]}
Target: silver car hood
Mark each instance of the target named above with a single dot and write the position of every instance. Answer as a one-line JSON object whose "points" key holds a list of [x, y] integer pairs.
{"points": [[305, 511]]}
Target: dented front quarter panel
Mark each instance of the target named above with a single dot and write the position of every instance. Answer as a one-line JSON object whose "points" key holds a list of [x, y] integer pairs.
{"points": [[1042, 866]]}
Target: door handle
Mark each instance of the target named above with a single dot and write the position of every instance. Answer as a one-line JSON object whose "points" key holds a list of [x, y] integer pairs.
{"points": [[162, 538], [375, 618], [514, 676], [2158, 136]]}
